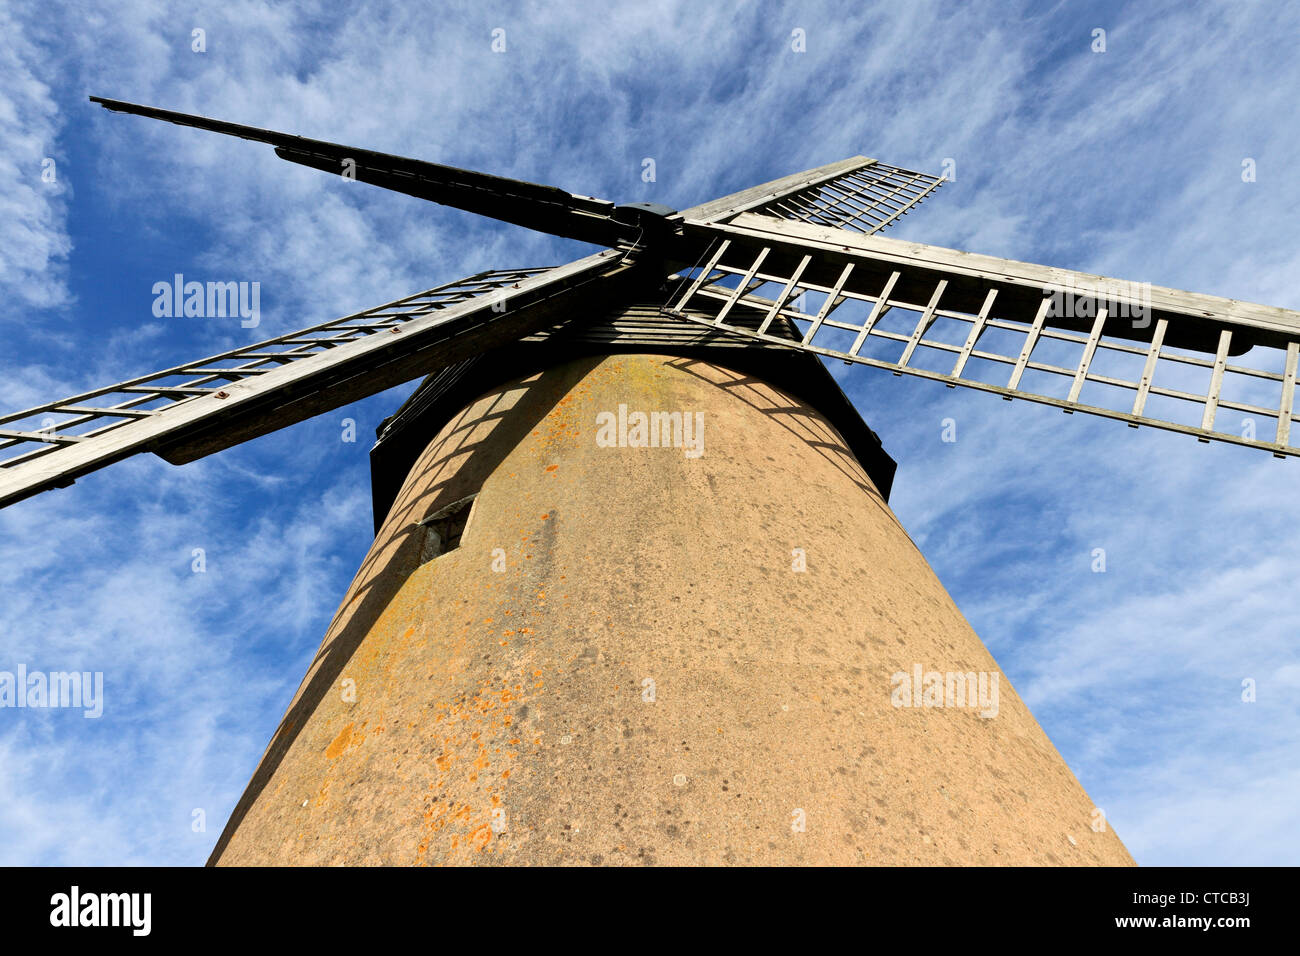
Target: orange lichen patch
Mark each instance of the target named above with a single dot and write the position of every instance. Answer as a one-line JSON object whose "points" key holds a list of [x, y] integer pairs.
{"points": [[481, 835], [472, 726], [348, 737], [551, 467], [546, 515]]}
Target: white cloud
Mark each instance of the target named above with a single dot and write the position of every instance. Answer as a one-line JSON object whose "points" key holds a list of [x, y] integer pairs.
{"points": [[34, 170]]}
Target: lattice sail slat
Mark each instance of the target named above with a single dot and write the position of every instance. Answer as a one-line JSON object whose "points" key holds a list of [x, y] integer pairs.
{"points": [[1215, 368], [866, 200]]}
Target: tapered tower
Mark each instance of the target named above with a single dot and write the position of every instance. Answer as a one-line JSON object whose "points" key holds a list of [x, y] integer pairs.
{"points": [[640, 655]]}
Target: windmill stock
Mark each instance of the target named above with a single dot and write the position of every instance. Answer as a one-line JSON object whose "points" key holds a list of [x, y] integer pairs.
{"points": [[636, 593]]}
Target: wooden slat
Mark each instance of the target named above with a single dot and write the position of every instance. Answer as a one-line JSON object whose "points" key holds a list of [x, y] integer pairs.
{"points": [[165, 390], [922, 325], [830, 303], [1288, 394], [1089, 350], [48, 438], [743, 285], [1149, 369], [779, 304], [104, 412], [976, 330], [1216, 381], [877, 310], [1030, 341]]}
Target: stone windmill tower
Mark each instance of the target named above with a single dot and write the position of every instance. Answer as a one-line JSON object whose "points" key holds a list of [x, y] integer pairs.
{"points": [[636, 594]]}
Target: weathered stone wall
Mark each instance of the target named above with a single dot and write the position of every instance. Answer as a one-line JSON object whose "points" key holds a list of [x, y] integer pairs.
{"points": [[648, 679]]}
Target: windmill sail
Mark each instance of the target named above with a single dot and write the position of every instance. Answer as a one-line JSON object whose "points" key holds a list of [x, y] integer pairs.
{"points": [[544, 208], [191, 410], [860, 194], [1025, 330]]}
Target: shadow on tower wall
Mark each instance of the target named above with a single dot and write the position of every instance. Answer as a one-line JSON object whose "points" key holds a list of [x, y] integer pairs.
{"points": [[386, 568]]}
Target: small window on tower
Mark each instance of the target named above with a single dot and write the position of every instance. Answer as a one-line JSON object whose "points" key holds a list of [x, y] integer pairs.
{"points": [[443, 528]]}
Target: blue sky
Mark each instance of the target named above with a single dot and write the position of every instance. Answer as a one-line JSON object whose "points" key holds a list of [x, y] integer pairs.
{"points": [[1126, 162]]}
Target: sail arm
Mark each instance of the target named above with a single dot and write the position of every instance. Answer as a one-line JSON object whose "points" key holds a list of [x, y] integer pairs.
{"points": [[192, 410], [544, 208]]}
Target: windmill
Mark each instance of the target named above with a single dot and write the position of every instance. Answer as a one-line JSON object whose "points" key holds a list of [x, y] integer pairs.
{"points": [[636, 594]]}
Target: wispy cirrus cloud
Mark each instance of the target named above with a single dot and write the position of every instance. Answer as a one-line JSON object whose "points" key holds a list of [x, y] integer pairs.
{"points": [[33, 203]]}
